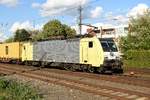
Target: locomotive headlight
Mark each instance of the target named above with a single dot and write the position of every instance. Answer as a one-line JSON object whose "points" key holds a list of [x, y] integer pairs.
{"points": [[111, 54]]}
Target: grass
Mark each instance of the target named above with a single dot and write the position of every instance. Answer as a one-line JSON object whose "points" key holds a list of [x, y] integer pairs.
{"points": [[12, 90], [137, 58], [137, 64]]}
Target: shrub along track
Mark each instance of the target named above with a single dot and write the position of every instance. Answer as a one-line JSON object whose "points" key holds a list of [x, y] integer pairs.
{"points": [[72, 82]]}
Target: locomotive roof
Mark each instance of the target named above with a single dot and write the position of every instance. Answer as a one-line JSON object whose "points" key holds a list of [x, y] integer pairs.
{"points": [[106, 39]]}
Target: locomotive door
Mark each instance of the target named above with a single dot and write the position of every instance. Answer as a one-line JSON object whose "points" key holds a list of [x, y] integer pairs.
{"points": [[84, 52]]}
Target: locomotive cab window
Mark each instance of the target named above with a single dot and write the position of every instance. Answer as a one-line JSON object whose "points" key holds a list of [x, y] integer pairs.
{"points": [[90, 44], [6, 50]]}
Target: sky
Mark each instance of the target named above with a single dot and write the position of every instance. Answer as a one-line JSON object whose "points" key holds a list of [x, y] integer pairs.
{"points": [[33, 14]]}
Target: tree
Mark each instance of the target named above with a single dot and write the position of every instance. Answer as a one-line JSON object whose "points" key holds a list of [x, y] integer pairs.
{"points": [[139, 34], [68, 32], [38, 36], [21, 35], [52, 28], [55, 28], [34, 34]]}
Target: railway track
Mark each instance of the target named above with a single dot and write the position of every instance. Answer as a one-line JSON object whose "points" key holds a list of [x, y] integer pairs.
{"points": [[122, 78], [36, 73], [125, 78]]}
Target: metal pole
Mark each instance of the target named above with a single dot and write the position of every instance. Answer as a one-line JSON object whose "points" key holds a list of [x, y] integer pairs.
{"points": [[80, 19]]}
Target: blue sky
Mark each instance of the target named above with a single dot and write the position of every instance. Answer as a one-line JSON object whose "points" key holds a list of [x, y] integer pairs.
{"points": [[32, 14]]}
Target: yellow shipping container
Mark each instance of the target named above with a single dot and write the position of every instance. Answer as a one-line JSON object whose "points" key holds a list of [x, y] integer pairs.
{"points": [[11, 51]]}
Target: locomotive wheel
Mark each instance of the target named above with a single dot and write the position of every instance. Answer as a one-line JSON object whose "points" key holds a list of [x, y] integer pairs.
{"points": [[84, 68], [121, 71], [43, 64], [66, 68], [72, 68], [100, 70], [91, 69]]}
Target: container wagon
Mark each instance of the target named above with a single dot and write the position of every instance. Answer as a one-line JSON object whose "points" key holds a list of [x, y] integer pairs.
{"points": [[11, 52]]}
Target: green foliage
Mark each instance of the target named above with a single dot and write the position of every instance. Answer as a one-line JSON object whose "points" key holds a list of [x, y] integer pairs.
{"points": [[21, 35], [39, 36], [67, 31], [16, 91], [55, 28], [139, 35], [35, 35], [135, 58], [11, 39], [52, 28]]}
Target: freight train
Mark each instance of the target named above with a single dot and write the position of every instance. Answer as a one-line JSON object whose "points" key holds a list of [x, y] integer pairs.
{"points": [[90, 54]]}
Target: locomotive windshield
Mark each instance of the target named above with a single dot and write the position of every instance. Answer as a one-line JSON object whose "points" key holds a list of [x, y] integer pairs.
{"points": [[108, 45]]}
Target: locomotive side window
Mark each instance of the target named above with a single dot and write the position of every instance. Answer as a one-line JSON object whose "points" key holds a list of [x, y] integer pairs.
{"points": [[90, 44], [6, 50]]}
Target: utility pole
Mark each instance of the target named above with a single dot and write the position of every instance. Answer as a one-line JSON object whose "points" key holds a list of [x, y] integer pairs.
{"points": [[80, 19]]}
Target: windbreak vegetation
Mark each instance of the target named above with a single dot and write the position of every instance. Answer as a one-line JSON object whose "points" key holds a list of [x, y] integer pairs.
{"points": [[139, 34], [136, 46]]}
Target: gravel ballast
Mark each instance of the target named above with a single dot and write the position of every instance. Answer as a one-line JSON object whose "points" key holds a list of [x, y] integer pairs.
{"points": [[51, 91]]}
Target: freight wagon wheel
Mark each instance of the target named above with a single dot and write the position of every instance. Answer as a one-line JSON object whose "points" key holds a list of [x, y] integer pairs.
{"points": [[91, 69], [26, 63]]}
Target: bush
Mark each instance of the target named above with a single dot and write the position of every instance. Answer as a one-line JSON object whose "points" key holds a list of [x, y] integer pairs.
{"points": [[12, 90], [135, 58]]}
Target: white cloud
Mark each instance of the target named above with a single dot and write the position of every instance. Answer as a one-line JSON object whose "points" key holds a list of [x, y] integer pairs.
{"points": [[25, 25], [2, 37], [121, 19], [35, 5], [96, 12], [108, 15], [56, 7], [140, 9], [118, 17], [10, 3]]}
